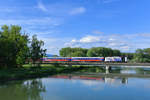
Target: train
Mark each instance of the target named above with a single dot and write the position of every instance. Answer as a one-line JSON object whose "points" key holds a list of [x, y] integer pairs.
{"points": [[84, 59]]}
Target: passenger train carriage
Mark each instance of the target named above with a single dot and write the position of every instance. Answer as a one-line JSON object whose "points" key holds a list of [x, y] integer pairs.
{"points": [[82, 59], [56, 59], [113, 59], [87, 59]]}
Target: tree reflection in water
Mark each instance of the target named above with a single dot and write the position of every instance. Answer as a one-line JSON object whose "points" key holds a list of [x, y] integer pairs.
{"points": [[22, 90]]}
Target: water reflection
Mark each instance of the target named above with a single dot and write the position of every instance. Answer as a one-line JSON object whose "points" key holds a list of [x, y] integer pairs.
{"points": [[22, 90], [118, 70], [87, 84], [90, 78]]}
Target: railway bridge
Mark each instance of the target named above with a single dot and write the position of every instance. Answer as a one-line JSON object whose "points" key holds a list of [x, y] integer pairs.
{"points": [[116, 64], [107, 65]]}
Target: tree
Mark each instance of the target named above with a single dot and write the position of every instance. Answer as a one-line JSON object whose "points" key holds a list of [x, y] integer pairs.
{"points": [[116, 53], [147, 51], [99, 52], [73, 52], [94, 52], [141, 56], [65, 52], [129, 55], [36, 50], [78, 52], [14, 46]]}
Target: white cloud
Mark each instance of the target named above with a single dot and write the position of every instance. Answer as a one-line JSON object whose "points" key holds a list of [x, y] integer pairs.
{"points": [[53, 45], [89, 39], [112, 41], [42, 6], [74, 40], [144, 35], [59, 9], [78, 10], [31, 22]]}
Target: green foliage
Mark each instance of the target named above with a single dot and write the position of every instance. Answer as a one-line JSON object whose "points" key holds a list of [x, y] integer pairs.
{"points": [[116, 53], [65, 52], [142, 55], [129, 55], [147, 51], [73, 52], [93, 52], [36, 50], [28, 71], [14, 46], [102, 52]]}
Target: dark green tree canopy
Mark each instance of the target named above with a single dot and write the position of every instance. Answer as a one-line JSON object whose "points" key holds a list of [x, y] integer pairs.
{"points": [[93, 52], [142, 55], [100, 52], [14, 46], [36, 50], [73, 52]]}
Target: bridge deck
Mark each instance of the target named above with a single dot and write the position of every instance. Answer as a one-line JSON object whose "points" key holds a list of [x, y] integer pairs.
{"points": [[100, 63]]}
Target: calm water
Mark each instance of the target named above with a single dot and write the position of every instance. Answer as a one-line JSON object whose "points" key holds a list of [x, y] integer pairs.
{"points": [[87, 84]]}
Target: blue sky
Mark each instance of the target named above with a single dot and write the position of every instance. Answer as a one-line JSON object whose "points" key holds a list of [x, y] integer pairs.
{"points": [[118, 24]]}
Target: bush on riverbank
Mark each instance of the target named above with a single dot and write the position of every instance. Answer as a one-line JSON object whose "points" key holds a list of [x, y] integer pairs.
{"points": [[34, 72]]}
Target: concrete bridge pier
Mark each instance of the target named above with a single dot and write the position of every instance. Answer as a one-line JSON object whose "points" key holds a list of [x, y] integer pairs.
{"points": [[108, 68]]}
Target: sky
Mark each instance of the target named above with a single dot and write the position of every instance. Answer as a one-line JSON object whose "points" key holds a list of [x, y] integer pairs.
{"points": [[117, 24]]}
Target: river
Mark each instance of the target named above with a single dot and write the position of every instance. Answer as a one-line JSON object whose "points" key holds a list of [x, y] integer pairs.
{"points": [[86, 84]]}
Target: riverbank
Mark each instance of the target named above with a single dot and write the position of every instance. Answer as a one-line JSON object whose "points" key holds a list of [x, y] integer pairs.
{"points": [[28, 72]]}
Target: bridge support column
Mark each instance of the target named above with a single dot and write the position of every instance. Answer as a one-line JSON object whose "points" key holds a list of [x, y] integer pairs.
{"points": [[107, 69]]}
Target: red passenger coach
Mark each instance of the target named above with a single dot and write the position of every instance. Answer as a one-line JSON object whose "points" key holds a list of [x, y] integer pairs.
{"points": [[56, 59]]}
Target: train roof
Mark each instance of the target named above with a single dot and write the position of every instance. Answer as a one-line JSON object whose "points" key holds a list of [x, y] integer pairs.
{"points": [[83, 57], [73, 57]]}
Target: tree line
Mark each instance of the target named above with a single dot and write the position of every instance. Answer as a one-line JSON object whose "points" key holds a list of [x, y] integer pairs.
{"points": [[92, 52], [16, 47], [141, 55]]}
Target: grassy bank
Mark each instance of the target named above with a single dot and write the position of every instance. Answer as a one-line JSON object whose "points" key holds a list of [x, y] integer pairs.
{"points": [[28, 72]]}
